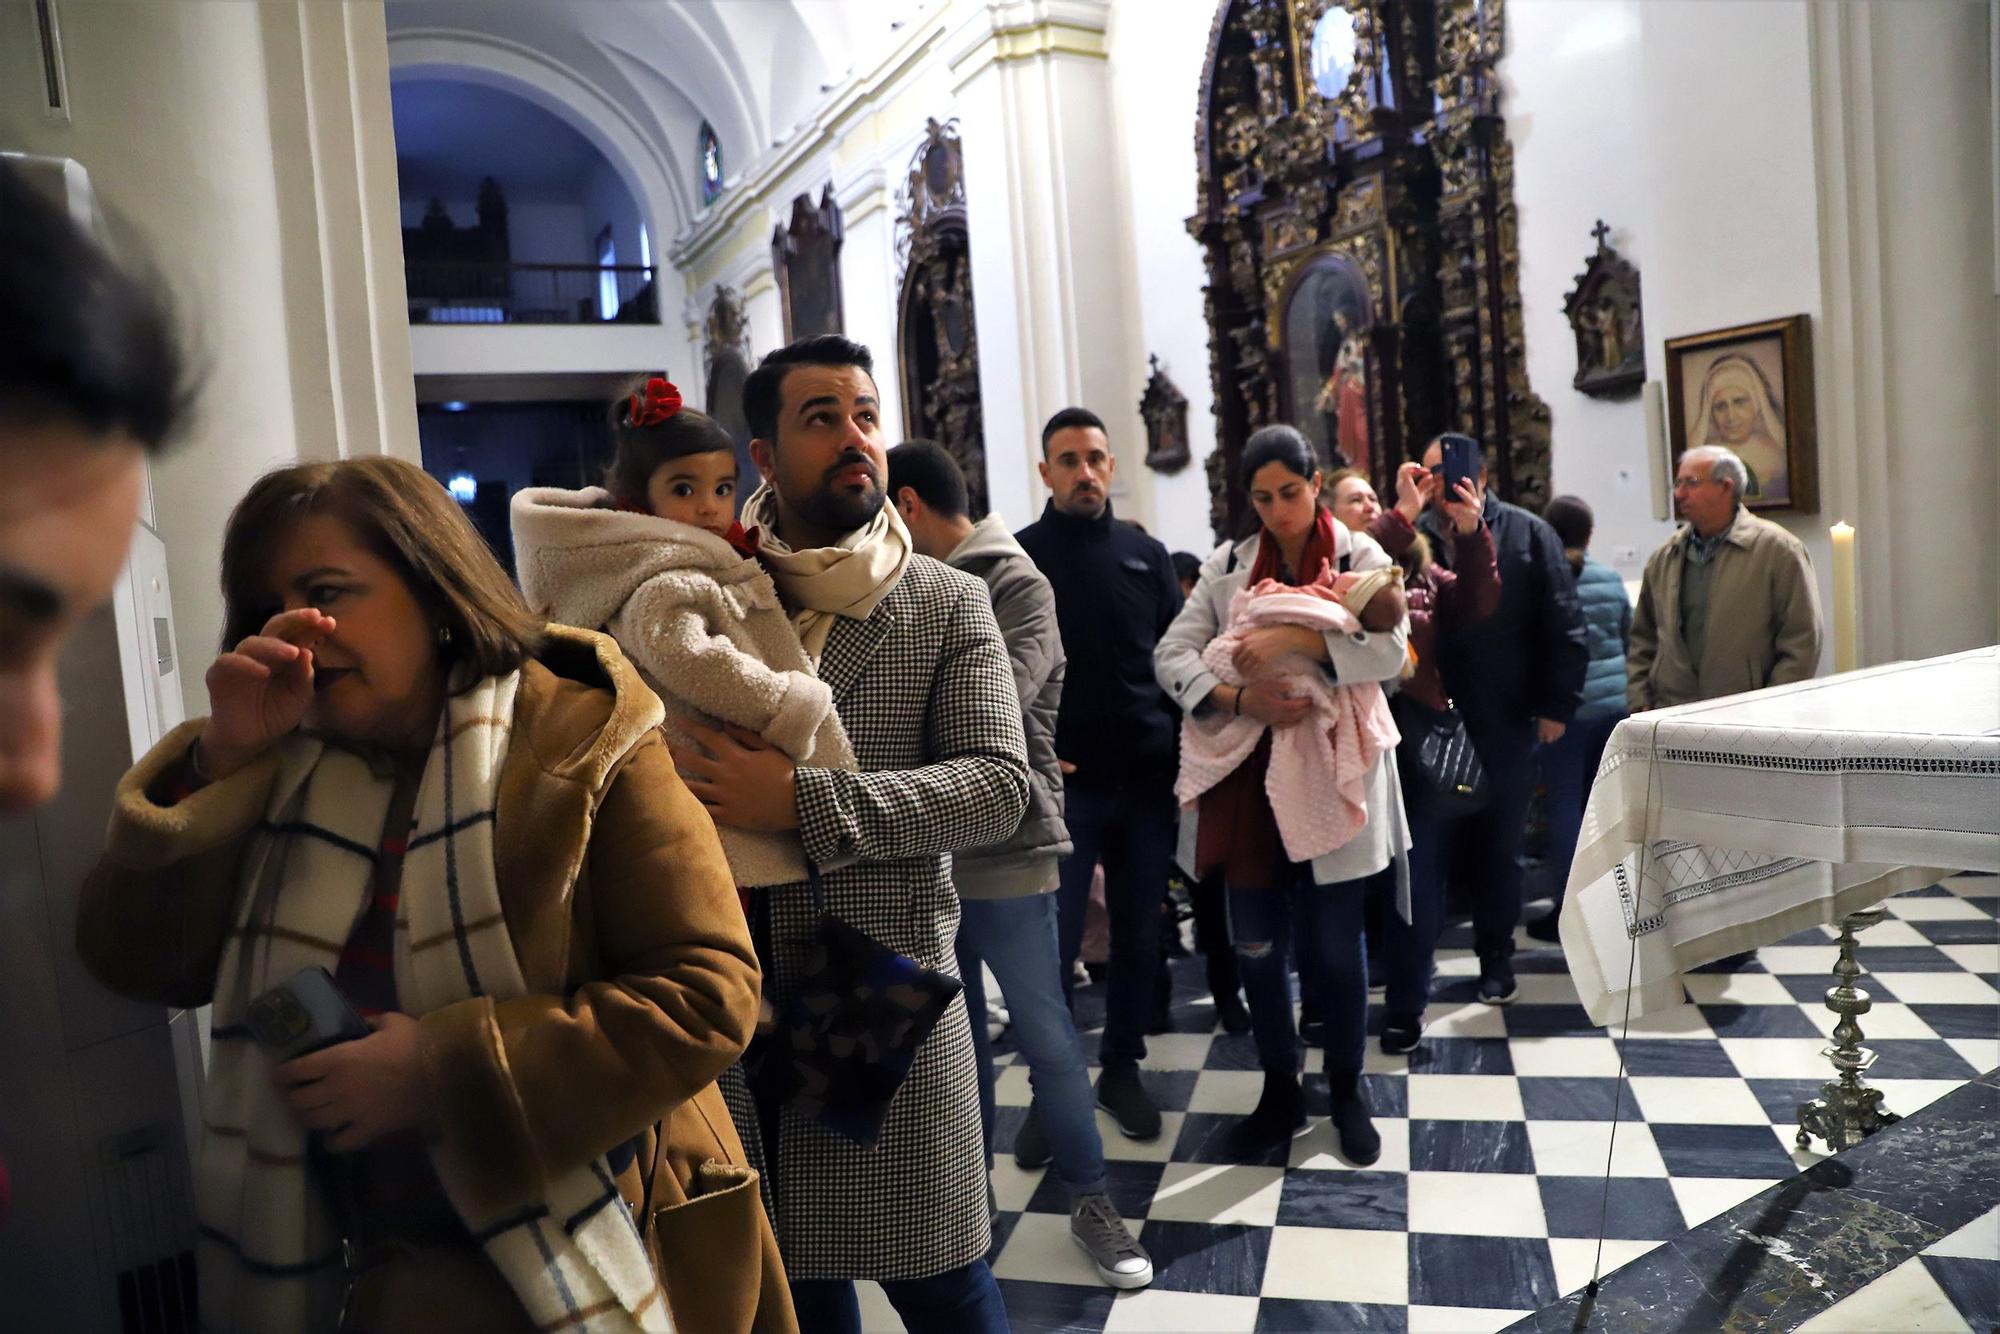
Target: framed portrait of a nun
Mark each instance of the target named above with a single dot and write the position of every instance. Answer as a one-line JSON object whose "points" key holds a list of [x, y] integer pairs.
{"points": [[1750, 390]]}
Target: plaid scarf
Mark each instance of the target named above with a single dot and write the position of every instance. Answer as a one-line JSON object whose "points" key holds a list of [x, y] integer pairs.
{"points": [[270, 1254]]}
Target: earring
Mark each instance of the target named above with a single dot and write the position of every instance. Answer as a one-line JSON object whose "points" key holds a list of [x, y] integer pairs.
{"points": [[444, 636]]}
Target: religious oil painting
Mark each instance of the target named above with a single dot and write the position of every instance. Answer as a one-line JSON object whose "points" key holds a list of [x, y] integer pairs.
{"points": [[1325, 332], [1750, 389]]}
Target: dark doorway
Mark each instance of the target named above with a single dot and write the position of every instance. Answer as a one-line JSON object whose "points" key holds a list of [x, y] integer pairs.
{"points": [[485, 452]]}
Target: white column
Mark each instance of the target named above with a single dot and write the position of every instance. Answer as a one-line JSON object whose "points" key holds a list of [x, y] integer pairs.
{"points": [[334, 147], [249, 147], [1908, 434], [1051, 241], [868, 292]]}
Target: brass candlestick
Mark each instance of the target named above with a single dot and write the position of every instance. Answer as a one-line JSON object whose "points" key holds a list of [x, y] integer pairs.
{"points": [[1847, 1110]]}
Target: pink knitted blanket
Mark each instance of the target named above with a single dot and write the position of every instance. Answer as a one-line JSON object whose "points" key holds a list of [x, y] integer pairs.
{"points": [[1317, 781]]}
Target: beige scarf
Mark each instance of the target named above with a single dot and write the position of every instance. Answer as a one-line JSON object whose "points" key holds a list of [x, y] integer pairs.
{"points": [[825, 583]]}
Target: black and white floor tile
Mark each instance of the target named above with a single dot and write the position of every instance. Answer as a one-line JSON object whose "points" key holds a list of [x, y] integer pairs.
{"points": [[1486, 1201]]}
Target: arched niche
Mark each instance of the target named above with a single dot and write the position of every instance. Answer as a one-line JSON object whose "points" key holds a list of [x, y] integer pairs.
{"points": [[935, 331]]}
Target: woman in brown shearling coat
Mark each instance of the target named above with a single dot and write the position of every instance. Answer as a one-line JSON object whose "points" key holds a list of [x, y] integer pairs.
{"points": [[397, 743]]}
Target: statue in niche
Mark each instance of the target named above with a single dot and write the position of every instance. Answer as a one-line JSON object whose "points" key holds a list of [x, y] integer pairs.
{"points": [[1604, 313], [1163, 407], [725, 358], [937, 332]]}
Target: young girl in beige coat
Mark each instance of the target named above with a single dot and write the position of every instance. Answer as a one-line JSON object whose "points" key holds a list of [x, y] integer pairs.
{"points": [[659, 562]]}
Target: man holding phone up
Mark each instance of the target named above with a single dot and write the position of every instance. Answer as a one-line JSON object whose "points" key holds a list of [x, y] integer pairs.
{"points": [[1517, 677]]}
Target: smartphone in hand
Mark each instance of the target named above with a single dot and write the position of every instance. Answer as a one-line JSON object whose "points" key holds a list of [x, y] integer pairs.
{"points": [[303, 1014], [1460, 462]]}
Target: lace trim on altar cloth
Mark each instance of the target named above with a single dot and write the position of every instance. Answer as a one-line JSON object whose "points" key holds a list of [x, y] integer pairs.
{"points": [[1860, 764], [1691, 871]]}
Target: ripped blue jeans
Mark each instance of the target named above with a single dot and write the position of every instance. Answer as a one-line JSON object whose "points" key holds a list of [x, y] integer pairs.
{"points": [[1322, 924]]}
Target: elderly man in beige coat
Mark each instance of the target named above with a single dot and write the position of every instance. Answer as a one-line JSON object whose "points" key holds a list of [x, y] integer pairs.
{"points": [[1728, 604]]}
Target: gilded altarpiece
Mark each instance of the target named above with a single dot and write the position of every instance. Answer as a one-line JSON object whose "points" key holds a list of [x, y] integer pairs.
{"points": [[1356, 209]]}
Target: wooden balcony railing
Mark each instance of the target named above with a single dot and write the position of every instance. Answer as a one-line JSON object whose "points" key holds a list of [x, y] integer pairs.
{"points": [[460, 292]]}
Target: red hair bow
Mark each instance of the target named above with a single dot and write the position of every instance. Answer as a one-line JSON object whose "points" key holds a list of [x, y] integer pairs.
{"points": [[660, 401]]}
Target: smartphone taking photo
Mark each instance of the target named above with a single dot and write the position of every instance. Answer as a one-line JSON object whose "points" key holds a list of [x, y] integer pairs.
{"points": [[303, 1014], [1460, 462]]}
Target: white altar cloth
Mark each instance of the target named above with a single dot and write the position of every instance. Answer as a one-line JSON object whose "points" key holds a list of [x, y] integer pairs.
{"points": [[1730, 824]]}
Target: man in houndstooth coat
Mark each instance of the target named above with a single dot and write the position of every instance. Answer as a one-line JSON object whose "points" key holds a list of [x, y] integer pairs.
{"points": [[924, 688]]}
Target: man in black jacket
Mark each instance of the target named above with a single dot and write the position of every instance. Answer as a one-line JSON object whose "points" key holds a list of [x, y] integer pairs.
{"points": [[1517, 677], [1116, 735]]}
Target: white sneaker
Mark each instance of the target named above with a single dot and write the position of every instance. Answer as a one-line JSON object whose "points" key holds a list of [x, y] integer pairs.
{"points": [[1095, 1225]]}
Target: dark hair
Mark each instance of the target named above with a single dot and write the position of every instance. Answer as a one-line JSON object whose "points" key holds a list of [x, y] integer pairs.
{"points": [[83, 339], [403, 516], [642, 449], [764, 391], [1570, 516], [1069, 419], [1187, 566], [1277, 444], [927, 468]]}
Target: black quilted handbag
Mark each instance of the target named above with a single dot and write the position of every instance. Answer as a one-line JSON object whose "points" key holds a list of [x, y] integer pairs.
{"points": [[1438, 746], [844, 1044]]}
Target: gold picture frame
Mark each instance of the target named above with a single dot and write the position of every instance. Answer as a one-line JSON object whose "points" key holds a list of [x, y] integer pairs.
{"points": [[1750, 389]]}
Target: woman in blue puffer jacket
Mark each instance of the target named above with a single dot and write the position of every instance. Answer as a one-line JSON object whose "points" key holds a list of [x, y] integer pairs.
{"points": [[1570, 763]]}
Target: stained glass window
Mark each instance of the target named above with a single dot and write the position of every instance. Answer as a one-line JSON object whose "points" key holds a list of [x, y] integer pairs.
{"points": [[711, 164], [1333, 50]]}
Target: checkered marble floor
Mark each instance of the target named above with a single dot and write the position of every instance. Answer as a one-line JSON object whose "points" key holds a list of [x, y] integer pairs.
{"points": [[1486, 1200]]}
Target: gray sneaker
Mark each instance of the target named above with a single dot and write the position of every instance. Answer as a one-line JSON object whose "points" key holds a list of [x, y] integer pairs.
{"points": [[1095, 1225]]}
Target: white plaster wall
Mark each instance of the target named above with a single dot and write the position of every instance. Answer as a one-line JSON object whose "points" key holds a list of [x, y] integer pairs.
{"points": [[541, 231], [868, 296], [1097, 272], [767, 317], [606, 200], [168, 113], [1011, 412], [534, 349], [1157, 51], [1727, 143], [1571, 78]]}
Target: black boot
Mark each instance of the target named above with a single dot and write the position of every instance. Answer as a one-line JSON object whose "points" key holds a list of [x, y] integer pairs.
{"points": [[1229, 1006], [1360, 1143], [1280, 1111]]}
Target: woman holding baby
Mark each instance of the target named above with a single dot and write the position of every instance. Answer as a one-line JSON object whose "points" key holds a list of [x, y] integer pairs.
{"points": [[1289, 766]]}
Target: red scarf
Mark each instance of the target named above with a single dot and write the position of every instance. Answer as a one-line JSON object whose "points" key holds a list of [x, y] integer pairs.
{"points": [[1236, 831], [744, 542], [1317, 554]]}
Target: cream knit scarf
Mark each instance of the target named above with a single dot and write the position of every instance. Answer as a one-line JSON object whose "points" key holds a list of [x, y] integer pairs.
{"points": [[270, 1250], [825, 583]]}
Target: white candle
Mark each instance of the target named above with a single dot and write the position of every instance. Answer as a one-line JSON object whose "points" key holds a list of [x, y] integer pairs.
{"points": [[1843, 597]]}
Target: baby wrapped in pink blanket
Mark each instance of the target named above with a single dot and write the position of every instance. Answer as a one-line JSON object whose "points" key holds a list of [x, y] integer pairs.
{"points": [[1319, 767]]}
